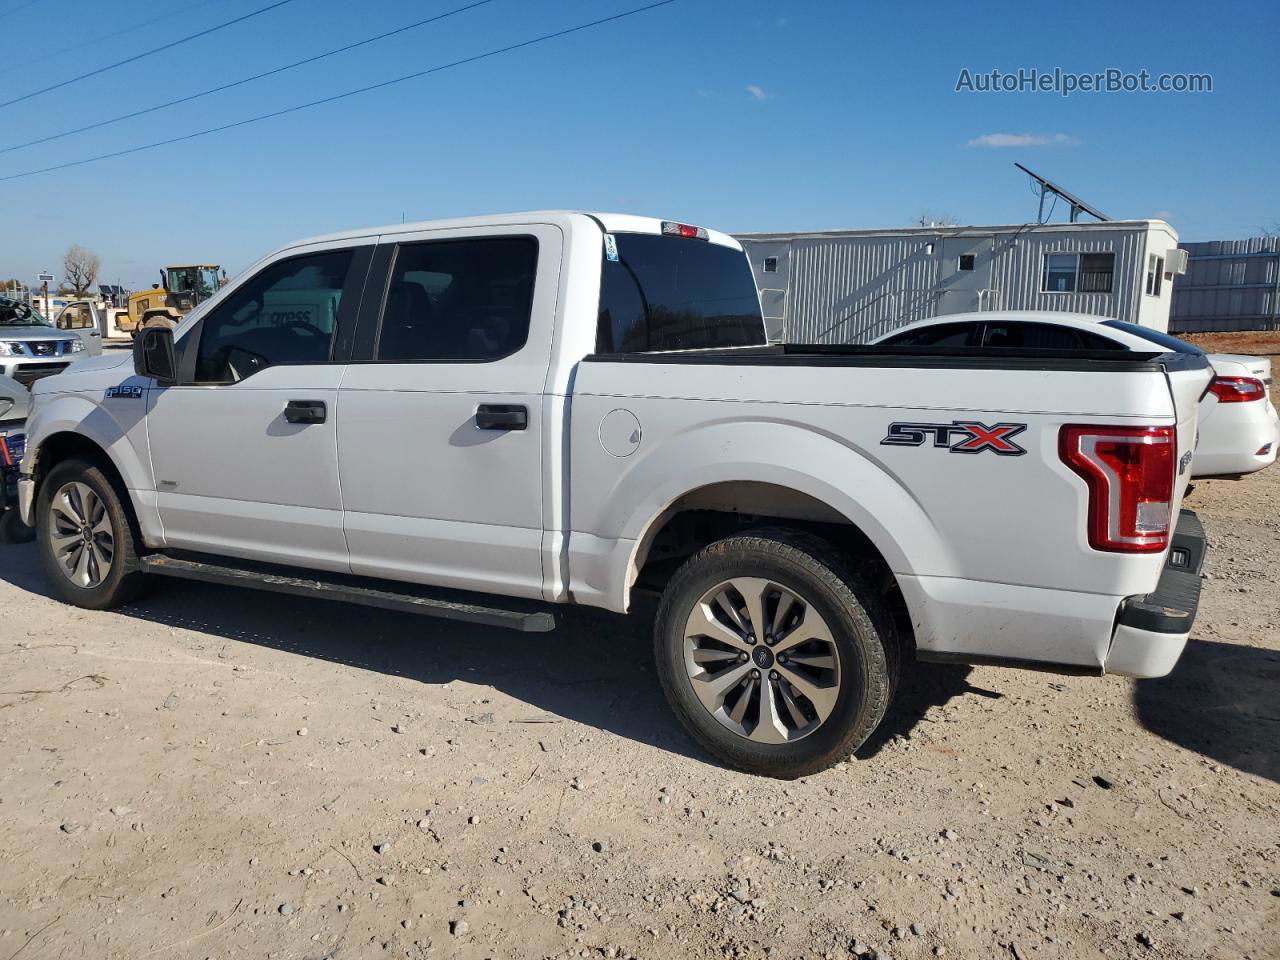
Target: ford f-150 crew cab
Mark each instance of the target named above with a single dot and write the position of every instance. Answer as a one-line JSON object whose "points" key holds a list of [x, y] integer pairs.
{"points": [[482, 418]]}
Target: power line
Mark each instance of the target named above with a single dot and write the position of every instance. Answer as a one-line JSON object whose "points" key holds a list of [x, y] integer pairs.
{"points": [[104, 36], [257, 76], [139, 56], [349, 93], [21, 6]]}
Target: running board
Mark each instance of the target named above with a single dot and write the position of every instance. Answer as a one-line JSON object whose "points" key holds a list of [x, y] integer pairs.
{"points": [[389, 595]]}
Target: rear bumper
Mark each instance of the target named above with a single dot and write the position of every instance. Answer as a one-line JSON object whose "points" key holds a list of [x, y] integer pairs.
{"points": [[1152, 630], [1237, 442]]}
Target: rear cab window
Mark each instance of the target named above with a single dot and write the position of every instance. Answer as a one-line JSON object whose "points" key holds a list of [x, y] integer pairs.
{"points": [[676, 293]]}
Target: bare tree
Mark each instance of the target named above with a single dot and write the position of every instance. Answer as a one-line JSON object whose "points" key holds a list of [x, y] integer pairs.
{"points": [[80, 269], [1272, 232], [926, 219]]}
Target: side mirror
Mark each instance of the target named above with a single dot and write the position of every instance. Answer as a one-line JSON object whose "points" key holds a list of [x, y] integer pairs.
{"points": [[153, 355]]}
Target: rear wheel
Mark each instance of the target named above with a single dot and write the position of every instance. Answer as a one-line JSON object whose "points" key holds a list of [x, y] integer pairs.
{"points": [[774, 654], [86, 539]]}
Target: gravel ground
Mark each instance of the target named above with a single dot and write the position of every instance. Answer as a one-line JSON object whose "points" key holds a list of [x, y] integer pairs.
{"points": [[221, 773]]}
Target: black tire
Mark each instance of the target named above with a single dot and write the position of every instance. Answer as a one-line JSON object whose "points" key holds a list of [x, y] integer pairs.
{"points": [[13, 530], [858, 621], [125, 580]]}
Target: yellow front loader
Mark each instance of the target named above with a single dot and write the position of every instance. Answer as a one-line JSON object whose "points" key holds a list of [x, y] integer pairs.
{"points": [[180, 289]]}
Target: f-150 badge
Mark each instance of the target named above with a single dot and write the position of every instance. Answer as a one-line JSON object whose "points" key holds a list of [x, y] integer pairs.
{"points": [[959, 436], [124, 392]]}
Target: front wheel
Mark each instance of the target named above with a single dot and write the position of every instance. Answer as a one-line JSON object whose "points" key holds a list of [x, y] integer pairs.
{"points": [[773, 653], [85, 538]]}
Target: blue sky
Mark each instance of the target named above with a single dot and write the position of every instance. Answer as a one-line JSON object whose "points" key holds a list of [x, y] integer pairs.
{"points": [[740, 114]]}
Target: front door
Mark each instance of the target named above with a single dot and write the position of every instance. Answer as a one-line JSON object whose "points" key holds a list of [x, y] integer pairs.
{"points": [[441, 433], [243, 450]]}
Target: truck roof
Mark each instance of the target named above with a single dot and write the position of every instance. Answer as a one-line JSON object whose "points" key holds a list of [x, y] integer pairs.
{"points": [[612, 223]]}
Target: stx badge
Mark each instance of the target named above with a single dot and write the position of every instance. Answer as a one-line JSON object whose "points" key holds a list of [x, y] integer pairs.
{"points": [[959, 436]]}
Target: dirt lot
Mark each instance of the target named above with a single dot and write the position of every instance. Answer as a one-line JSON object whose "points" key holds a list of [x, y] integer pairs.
{"points": [[217, 773]]}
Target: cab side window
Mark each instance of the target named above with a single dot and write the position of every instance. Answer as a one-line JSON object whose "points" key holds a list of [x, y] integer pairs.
{"points": [[459, 300], [286, 314]]}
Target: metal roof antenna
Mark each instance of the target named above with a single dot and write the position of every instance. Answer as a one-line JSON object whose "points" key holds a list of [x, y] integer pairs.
{"points": [[1044, 187]]}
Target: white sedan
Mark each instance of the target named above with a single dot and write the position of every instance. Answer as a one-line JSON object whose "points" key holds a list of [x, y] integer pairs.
{"points": [[1239, 428]]}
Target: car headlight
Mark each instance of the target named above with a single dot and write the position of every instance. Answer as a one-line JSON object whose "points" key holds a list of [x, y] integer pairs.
{"points": [[5, 405], [10, 349], [76, 345]]}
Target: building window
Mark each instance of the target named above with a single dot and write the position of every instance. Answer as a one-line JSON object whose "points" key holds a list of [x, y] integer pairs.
{"points": [[1155, 275], [770, 264], [966, 261], [1082, 272], [1060, 272], [1096, 272]]}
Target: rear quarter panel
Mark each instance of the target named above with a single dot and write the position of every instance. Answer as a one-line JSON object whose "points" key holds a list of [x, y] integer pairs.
{"points": [[1013, 519]]}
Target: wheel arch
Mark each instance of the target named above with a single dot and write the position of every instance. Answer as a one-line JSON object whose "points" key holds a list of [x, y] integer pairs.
{"points": [[810, 477], [62, 438], [68, 445]]}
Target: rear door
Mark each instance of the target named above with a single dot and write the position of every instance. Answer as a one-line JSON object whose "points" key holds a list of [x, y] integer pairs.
{"points": [[440, 427], [243, 449]]}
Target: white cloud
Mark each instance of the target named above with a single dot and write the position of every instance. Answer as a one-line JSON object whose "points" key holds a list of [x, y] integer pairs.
{"points": [[999, 140], [756, 91]]}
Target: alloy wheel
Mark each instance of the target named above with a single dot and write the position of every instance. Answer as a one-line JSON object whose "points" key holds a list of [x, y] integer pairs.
{"points": [[80, 534], [761, 660]]}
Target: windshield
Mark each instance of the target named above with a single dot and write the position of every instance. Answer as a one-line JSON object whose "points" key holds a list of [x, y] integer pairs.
{"points": [[208, 281], [676, 293], [182, 279], [15, 314], [1155, 336]]}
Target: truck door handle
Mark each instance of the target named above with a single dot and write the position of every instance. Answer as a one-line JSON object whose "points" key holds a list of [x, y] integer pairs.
{"points": [[502, 416], [305, 411]]}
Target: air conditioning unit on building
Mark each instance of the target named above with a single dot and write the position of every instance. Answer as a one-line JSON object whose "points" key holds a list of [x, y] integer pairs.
{"points": [[1175, 261]]}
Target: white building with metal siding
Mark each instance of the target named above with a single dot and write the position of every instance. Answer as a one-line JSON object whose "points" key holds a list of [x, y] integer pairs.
{"points": [[849, 286]]}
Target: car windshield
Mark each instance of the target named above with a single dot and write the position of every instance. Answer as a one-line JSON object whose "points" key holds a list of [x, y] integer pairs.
{"points": [[676, 293], [1155, 336], [15, 314]]}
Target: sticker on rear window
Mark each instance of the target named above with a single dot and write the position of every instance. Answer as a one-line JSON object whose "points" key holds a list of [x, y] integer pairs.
{"points": [[610, 248]]}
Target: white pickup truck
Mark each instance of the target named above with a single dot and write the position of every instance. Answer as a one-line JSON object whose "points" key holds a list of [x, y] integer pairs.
{"points": [[481, 418]]}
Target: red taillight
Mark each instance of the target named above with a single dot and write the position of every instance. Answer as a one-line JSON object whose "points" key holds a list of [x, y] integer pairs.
{"points": [[672, 229], [1237, 389], [1130, 474]]}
